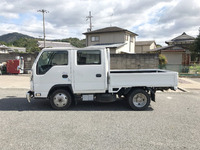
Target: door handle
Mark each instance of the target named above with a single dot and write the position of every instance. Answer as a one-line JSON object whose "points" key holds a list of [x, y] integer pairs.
{"points": [[65, 76], [98, 75]]}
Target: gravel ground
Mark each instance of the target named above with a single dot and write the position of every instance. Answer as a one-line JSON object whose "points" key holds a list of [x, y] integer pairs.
{"points": [[170, 123]]}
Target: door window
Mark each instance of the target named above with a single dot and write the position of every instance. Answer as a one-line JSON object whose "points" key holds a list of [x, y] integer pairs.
{"points": [[89, 57], [49, 59]]}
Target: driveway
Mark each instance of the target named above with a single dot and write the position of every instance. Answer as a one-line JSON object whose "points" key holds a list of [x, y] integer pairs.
{"points": [[15, 81], [189, 84], [170, 123]]}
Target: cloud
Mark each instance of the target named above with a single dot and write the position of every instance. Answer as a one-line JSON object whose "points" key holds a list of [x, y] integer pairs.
{"points": [[151, 19]]}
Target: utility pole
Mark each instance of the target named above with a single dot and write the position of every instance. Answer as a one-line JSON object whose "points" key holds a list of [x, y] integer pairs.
{"points": [[43, 11], [111, 20], [90, 18], [199, 30]]}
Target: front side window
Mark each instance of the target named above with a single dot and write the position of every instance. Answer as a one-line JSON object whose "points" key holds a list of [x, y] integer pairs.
{"points": [[88, 57], [49, 59]]}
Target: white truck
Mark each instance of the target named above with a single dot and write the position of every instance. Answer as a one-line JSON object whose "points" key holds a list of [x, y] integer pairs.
{"points": [[70, 75]]}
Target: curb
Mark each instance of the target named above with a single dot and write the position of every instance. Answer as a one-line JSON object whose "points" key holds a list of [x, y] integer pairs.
{"points": [[183, 90]]}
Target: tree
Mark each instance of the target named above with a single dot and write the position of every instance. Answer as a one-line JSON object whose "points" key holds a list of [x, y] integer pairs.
{"points": [[3, 43], [158, 45], [162, 61], [29, 43], [75, 42], [195, 48]]}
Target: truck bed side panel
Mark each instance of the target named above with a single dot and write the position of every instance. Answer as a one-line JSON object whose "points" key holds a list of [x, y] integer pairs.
{"points": [[142, 78]]}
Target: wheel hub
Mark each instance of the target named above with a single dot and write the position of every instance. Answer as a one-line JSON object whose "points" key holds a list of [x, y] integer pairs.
{"points": [[139, 100], [60, 100]]}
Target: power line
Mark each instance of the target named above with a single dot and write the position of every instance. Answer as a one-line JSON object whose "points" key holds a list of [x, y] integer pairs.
{"points": [[43, 11]]}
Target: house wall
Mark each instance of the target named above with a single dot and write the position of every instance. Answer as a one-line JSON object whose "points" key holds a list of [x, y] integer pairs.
{"points": [[3, 51], [153, 45], [174, 58], [130, 43], [174, 61], [116, 37], [138, 49], [132, 50], [126, 47], [142, 48]]}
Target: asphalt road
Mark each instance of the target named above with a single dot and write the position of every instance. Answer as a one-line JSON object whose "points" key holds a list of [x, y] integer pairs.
{"points": [[172, 122]]}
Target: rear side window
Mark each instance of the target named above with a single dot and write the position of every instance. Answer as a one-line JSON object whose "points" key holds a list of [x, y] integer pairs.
{"points": [[49, 59], [88, 57]]}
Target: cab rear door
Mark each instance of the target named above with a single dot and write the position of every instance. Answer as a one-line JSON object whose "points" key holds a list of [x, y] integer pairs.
{"points": [[89, 72]]}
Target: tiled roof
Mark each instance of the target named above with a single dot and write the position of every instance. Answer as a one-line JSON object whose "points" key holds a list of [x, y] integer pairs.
{"points": [[109, 45], [54, 44], [182, 37], [140, 43], [4, 47], [109, 29], [171, 48]]}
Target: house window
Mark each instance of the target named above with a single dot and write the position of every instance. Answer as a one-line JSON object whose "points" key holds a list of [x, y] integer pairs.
{"points": [[126, 37], [94, 38], [131, 38]]}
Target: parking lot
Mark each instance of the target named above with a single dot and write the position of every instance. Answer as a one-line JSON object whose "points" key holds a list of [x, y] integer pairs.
{"points": [[170, 123]]}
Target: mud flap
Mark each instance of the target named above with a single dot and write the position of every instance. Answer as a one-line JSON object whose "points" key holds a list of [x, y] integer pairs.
{"points": [[153, 95]]}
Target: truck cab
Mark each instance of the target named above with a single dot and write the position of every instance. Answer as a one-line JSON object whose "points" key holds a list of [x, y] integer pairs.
{"points": [[68, 75]]}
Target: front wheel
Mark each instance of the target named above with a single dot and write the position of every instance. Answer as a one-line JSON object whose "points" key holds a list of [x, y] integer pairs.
{"points": [[60, 99], [139, 99]]}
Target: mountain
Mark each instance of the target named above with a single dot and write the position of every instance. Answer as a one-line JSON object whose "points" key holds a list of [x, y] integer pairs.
{"points": [[17, 39], [11, 37]]}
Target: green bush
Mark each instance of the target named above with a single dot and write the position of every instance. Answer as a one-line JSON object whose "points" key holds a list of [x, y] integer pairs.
{"points": [[162, 61], [195, 68]]}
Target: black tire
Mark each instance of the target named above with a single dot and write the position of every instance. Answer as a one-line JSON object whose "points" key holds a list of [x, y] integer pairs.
{"points": [[139, 99], [60, 99]]}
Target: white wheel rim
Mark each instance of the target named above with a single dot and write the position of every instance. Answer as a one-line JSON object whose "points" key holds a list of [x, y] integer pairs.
{"points": [[140, 100], [60, 100]]}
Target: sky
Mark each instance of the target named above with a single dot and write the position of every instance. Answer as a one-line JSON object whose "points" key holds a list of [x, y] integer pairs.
{"points": [[159, 20]]}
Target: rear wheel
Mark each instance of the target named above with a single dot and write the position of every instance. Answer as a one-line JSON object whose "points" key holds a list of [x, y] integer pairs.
{"points": [[139, 99], [60, 99]]}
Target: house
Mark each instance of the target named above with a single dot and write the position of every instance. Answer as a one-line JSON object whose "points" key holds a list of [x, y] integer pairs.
{"points": [[177, 52], [18, 49], [117, 39], [144, 46], [5, 49], [50, 44], [182, 40]]}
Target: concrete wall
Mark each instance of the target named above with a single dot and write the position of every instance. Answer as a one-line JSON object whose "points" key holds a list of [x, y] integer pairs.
{"points": [[134, 61], [29, 59], [118, 61]]}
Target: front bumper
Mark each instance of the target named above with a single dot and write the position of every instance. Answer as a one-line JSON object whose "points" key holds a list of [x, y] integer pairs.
{"points": [[29, 96]]}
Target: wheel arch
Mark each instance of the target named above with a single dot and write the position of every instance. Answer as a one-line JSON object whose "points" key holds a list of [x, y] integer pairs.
{"points": [[67, 87], [130, 90], [150, 91]]}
